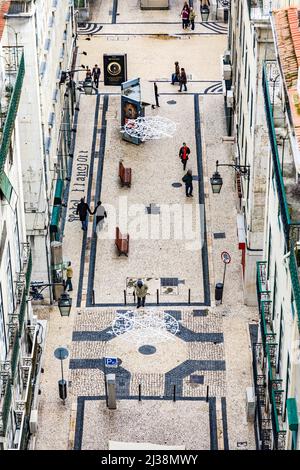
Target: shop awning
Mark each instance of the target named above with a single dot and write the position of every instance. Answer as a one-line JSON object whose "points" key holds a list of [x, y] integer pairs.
{"points": [[292, 414], [58, 192], [55, 219]]}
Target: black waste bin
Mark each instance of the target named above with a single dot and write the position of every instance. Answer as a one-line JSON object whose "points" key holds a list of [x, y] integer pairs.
{"points": [[62, 386], [219, 291]]}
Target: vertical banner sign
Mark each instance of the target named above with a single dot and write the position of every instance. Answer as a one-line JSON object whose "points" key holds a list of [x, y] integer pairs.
{"points": [[114, 69], [131, 107]]}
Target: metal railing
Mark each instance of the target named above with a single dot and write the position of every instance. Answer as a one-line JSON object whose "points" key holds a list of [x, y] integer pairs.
{"points": [[284, 212], [11, 114], [259, 9], [268, 387]]}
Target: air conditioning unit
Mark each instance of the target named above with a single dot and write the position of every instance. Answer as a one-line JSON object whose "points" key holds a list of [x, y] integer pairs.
{"points": [[250, 404], [229, 99], [33, 422]]}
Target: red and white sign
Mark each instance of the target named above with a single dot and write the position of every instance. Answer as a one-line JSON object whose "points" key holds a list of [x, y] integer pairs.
{"points": [[226, 258]]}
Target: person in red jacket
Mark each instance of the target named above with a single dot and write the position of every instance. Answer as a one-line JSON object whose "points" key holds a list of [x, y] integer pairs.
{"points": [[184, 154], [185, 14]]}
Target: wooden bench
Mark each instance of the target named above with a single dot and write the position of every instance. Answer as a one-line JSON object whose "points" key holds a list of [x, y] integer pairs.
{"points": [[122, 242], [125, 175]]}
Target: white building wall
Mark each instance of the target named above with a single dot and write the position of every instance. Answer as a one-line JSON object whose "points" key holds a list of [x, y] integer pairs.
{"points": [[47, 36]]}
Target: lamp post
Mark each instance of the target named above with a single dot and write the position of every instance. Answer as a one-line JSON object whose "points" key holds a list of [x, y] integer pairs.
{"points": [[64, 302], [216, 180], [204, 11], [61, 354]]}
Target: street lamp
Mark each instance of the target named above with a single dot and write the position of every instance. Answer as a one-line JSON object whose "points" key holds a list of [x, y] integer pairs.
{"points": [[61, 354], [65, 304], [216, 183], [204, 10], [64, 301], [216, 180]]}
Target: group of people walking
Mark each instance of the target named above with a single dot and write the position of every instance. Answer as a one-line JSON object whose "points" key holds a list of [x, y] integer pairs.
{"points": [[184, 153], [188, 16], [93, 74], [179, 76], [83, 209]]}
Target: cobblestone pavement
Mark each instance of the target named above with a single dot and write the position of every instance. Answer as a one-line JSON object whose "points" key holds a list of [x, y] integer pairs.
{"points": [[206, 366]]}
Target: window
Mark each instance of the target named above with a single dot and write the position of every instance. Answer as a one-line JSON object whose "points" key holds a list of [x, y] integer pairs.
{"points": [[269, 252], [292, 303], [11, 153], [287, 383], [251, 111], [281, 333], [10, 289], [3, 341], [17, 242], [248, 91], [246, 63], [274, 293]]}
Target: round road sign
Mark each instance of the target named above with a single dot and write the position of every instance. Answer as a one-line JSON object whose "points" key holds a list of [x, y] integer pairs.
{"points": [[226, 258]]}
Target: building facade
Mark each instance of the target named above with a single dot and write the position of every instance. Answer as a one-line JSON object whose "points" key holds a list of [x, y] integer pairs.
{"points": [[19, 350], [276, 357], [45, 29], [250, 44]]}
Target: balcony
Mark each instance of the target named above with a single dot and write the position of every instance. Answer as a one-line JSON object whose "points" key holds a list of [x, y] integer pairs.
{"points": [[259, 9], [9, 102], [5, 397], [268, 386], [19, 7]]}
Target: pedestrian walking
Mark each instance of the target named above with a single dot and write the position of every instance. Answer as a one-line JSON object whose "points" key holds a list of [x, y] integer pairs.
{"points": [[100, 214], [184, 154], [156, 96], [82, 210], [141, 290], [176, 74], [88, 74], [96, 72], [68, 285], [182, 80], [188, 180], [185, 13], [192, 18]]}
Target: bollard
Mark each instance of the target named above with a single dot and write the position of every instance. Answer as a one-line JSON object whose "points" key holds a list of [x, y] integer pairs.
{"points": [[93, 297], [157, 296], [111, 391], [207, 390], [125, 301], [189, 299], [174, 392], [140, 392]]}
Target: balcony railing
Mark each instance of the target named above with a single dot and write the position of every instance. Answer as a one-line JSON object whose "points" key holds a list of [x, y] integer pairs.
{"points": [[5, 405], [13, 94], [260, 9], [284, 212], [294, 273], [268, 387]]}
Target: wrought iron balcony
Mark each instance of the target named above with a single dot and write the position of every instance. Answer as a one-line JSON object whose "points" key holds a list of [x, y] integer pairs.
{"points": [[19, 6], [259, 9], [5, 404], [13, 87]]}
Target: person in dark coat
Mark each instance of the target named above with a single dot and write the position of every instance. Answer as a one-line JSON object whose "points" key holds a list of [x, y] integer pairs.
{"points": [[156, 96], [182, 80], [188, 180], [82, 210], [96, 72], [184, 152], [176, 75]]}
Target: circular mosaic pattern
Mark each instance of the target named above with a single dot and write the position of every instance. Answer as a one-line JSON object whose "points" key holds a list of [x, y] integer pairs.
{"points": [[145, 325], [147, 350], [176, 185]]}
